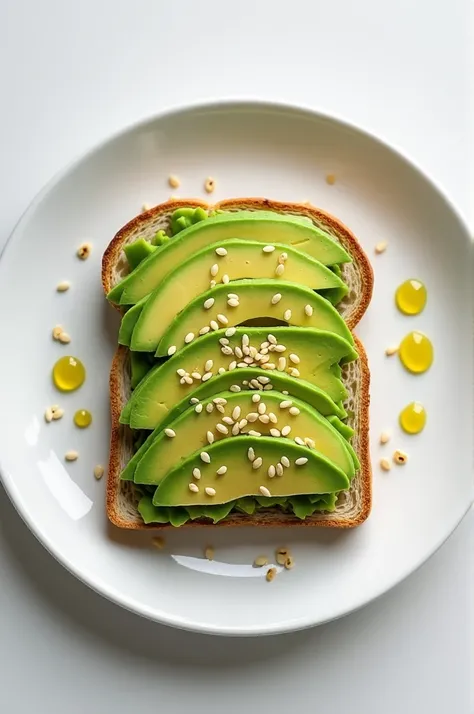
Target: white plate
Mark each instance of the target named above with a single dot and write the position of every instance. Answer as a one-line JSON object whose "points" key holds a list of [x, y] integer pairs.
{"points": [[251, 150]]}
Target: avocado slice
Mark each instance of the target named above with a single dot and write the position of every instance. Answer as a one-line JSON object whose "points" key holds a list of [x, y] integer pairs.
{"points": [[318, 351], [257, 299], [262, 226], [138, 251], [129, 320], [244, 259], [191, 429], [344, 429], [316, 475]]}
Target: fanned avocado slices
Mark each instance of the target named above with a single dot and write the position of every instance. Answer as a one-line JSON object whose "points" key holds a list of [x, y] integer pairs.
{"points": [[313, 355]]}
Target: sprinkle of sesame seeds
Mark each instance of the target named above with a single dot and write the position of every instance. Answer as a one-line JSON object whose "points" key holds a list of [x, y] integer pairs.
{"points": [[251, 432], [197, 473], [310, 443], [182, 380], [234, 388], [193, 487], [285, 461], [232, 365], [204, 330], [256, 464], [279, 469], [171, 350], [233, 303], [210, 437], [264, 491], [210, 491], [222, 429], [243, 423], [268, 248], [301, 461], [205, 457], [287, 315], [276, 298], [280, 269], [286, 430], [209, 407], [275, 432], [272, 339], [271, 471], [221, 470], [294, 358], [246, 350], [264, 418], [222, 319], [235, 430], [230, 332], [255, 384], [225, 279], [214, 270], [221, 252], [299, 441], [400, 457], [170, 432], [294, 411], [214, 325], [209, 303]]}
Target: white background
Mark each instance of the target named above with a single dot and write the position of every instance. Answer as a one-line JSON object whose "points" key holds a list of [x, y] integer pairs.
{"points": [[70, 74]]}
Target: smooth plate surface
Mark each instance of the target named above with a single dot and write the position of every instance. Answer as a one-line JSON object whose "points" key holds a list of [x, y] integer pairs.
{"points": [[249, 149]]}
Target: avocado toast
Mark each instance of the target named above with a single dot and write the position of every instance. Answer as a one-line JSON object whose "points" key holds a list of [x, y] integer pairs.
{"points": [[239, 394]]}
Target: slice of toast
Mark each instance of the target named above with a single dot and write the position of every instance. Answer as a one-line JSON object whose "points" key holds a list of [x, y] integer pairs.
{"points": [[357, 275], [353, 506]]}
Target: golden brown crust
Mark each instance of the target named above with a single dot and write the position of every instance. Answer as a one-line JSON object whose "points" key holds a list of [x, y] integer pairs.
{"points": [[269, 518], [334, 225]]}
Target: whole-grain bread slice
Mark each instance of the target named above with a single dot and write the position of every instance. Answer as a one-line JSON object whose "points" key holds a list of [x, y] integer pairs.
{"points": [[357, 275], [352, 508]]}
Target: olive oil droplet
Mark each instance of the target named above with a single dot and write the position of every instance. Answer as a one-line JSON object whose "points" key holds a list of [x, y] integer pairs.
{"points": [[410, 297], [413, 418], [416, 352], [82, 418], [68, 374]]}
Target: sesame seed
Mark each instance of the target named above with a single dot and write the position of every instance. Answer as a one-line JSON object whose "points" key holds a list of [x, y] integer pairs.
{"points": [[275, 432], [309, 442], [198, 408], [268, 365], [196, 375], [209, 365], [238, 352], [245, 340], [308, 310], [193, 487], [285, 461], [265, 492], [204, 330], [209, 303], [197, 473], [221, 252], [222, 319], [385, 465], [268, 248], [264, 418], [63, 286], [71, 455], [222, 428], [281, 365], [252, 416], [257, 463], [287, 315], [220, 408], [225, 279], [280, 269], [294, 372], [255, 384], [271, 471], [280, 348], [299, 441], [246, 350], [267, 387], [279, 470], [260, 561], [226, 350], [391, 351], [221, 370], [210, 437], [256, 398], [254, 433], [250, 454], [242, 364], [170, 432], [284, 391], [228, 420], [271, 573], [223, 341], [381, 247], [384, 437], [272, 339], [214, 325], [182, 380], [206, 376], [171, 350], [232, 365], [233, 302], [205, 457], [235, 430], [212, 284], [273, 417], [188, 379], [262, 408], [210, 491], [236, 413], [301, 461], [173, 181], [180, 372], [286, 430], [276, 298], [98, 471], [282, 257], [231, 331], [221, 470], [294, 358], [243, 423], [234, 388], [263, 380], [209, 407], [214, 270], [294, 411]]}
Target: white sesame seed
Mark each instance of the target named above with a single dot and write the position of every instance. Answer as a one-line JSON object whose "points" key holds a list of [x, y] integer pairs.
{"points": [[285, 461], [244, 365], [263, 380], [301, 461], [286, 430], [231, 331], [234, 388], [294, 411], [280, 269], [198, 408], [391, 351], [281, 365], [210, 491], [381, 247], [196, 375], [287, 315], [254, 433], [48, 415], [250, 454], [298, 440], [294, 358], [246, 350], [310, 443], [256, 398], [227, 351], [171, 350], [71, 455], [252, 416], [232, 365], [255, 384], [271, 471], [235, 430], [238, 352], [268, 387], [225, 279], [257, 463], [264, 491], [214, 270], [272, 339], [223, 341], [243, 423], [209, 303], [182, 380], [228, 420], [205, 457], [219, 400], [214, 325], [222, 429], [210, 437], [212, 284], [170, 432], [279, 470], [193, 487], [280, 348], [197, 473], [209, 407], [232, 295], [233, 302], [98, 471], [273, 417], [245, 340], [206, 376], [221, 370], [284, 391], [275, 432], [220, 408], [308, 310], [294, 372], [221, 470], [268, 365], [236, 413], [276, 298], [209, 365], [204, 330], [268, 248], [63, 286], [188, 379], [221, 252], [180, 372], [262, 408], [264, 418], [222, 319], [282, 257]]}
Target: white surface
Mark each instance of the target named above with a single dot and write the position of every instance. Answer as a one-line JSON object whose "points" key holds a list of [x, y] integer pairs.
{"points": [[69, 80], [257, 150]]}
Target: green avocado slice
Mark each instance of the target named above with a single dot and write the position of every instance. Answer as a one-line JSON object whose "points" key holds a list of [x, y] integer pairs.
{"points": [[287, 302], [244, 259], [319, 353], [129, 320], [162, 453], [316, 475], [263, 226], [344, 429], [138, 251]]}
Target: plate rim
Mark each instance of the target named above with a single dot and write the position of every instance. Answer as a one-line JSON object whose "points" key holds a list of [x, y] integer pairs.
{"points": [[101, 587]]}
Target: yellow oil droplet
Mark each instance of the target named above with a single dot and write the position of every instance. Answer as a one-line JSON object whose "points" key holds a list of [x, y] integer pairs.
{"points": [[413, 418], [410, 297], [82, 418], [68, 374], [416, 352]]}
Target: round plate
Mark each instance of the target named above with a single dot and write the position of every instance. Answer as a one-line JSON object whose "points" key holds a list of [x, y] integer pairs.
{"points": [[250, 149]]}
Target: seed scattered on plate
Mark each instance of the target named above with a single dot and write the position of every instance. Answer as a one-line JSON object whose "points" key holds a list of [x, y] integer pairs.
{"points": [[71, 455], [222, 319], [310, 443], [204, 330], [63, 286], [289, 563], [196, 473], [84, 251], [208, 303], [286, 430], [206, 376], [330, 179], [391, 351], [294, 411], [214, 325], [189, 337], [281, 554], [209, 185], [64, 338], [174, 181], [400, 457], [260, 561], [252, 432], [384, 437], [271, 574], [299, 441], [250, 454], [233, 303], [279, 469], [230, 332], [214, 270], [385, 465], [285, 461], [271, 471], [210, 437], [381, 247], [264, 491], [275, 432], [222, 429]]}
